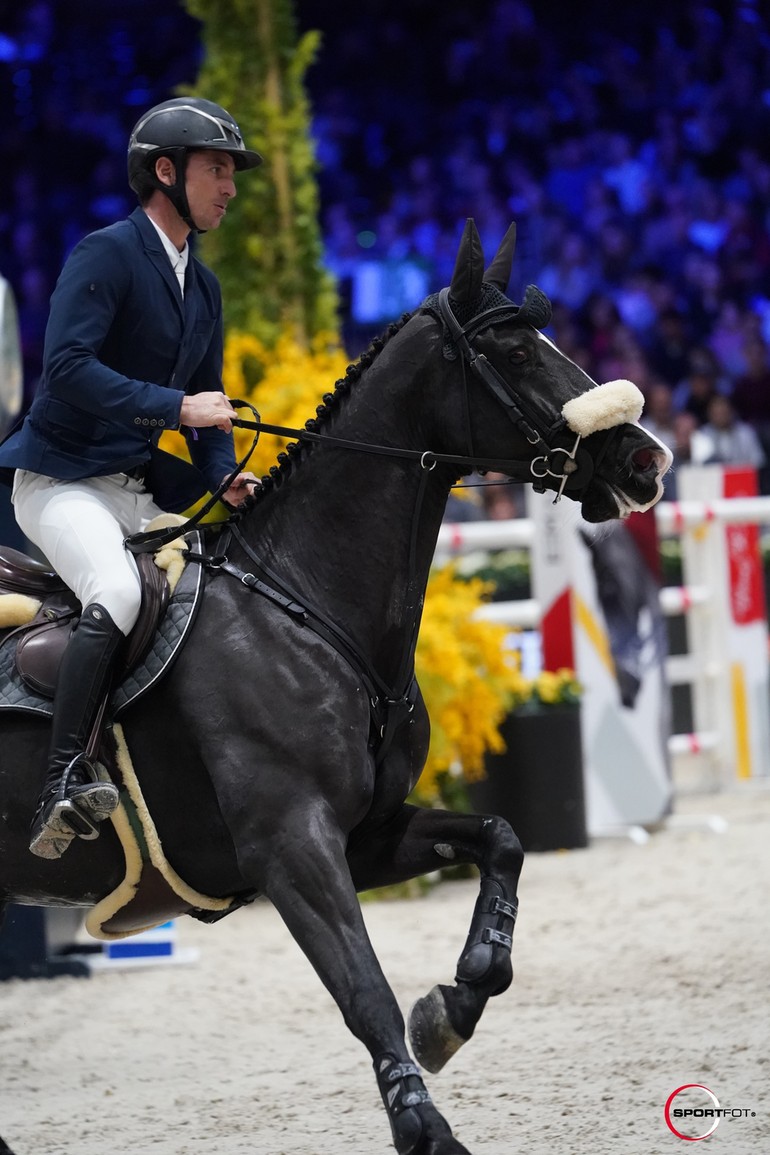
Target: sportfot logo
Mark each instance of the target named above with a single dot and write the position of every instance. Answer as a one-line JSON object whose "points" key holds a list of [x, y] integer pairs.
{"points": [[693, 1112]]}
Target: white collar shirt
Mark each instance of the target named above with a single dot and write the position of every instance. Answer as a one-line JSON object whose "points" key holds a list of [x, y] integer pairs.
{"points": [[178, 260]]}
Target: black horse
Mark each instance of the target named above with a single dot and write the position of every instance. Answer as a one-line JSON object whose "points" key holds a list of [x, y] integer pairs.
{"points": [[279, 751]]}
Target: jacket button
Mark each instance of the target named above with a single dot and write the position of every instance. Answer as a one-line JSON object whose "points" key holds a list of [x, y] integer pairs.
{"points": [[145, 421], [137, 421], [161, 421]]}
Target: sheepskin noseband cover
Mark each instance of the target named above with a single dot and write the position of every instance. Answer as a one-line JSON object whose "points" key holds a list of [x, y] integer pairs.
{"points": [[603, 407]]}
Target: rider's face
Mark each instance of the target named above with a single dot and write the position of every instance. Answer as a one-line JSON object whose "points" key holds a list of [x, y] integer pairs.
{"points": [[210, 186]]}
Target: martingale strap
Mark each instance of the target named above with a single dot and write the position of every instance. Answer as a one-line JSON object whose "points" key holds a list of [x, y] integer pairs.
{"points": [[388, 708]]}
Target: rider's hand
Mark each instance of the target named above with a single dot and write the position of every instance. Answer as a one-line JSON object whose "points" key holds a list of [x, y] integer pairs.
{"points": [[242, 486], [201, 410]]}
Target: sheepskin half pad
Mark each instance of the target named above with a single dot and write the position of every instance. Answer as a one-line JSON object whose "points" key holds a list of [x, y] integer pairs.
{"points": [[151, 892]]}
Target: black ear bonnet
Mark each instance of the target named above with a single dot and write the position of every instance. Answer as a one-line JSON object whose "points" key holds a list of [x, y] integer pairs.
{"points": [[535, 310]]}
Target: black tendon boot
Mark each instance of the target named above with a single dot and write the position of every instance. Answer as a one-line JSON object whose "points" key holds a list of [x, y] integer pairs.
{"points": [[74, 801]]}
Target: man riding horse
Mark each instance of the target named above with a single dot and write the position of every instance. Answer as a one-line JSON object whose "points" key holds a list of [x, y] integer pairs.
{"points": [[468, 381], [133, 347]]}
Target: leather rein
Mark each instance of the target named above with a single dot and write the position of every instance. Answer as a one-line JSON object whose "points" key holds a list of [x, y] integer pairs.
{"points": [[573, 471], [390, 705], [533, 470]]}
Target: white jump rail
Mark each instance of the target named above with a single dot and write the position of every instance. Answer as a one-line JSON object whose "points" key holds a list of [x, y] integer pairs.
{"points": [[674, 516], [673, 519]]}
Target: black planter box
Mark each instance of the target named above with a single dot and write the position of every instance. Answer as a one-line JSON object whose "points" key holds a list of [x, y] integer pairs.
{"points": [[537, 783]]}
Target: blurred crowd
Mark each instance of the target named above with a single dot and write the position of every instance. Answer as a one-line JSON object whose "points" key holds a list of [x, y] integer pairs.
{"points": [[631, 144], [633, 150], [74, 77]]}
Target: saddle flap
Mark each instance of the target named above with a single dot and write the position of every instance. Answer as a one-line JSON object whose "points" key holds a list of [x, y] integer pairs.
{"points": [[40, 650]]}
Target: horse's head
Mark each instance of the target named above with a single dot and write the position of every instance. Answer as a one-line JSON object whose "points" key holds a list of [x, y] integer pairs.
{"points": [[523, 396]]}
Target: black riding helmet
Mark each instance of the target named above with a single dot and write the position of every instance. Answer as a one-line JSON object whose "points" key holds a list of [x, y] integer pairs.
{"points": [[172, 129]]}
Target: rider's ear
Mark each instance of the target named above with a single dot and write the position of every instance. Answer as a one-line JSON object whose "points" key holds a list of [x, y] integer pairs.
{"points": [[499, 272], [165, 171], [469, 266]]}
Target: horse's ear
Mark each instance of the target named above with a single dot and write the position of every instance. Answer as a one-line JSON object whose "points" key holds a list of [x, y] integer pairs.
{"points": [[469, 266], [499, 272]]}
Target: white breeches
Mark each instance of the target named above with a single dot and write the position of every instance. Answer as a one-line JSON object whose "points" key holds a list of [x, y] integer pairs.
{"points": [[80, 526]]}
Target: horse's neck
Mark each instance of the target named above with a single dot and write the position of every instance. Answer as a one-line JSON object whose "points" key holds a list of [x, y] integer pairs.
{"points": [[355, 532]]}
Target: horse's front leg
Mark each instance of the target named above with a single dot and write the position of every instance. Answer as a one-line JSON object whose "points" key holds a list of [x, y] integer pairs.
{"points": [[414, 842], [309, 883]]}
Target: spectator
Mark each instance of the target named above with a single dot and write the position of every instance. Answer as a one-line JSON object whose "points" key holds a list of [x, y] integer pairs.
{"points": [[501, 500], [751, 390], [724, 438], [570, 177], [684, 426], [627, 176], [751, 397], [702, 382], [728, 338], [669, 346], [571, 276], [659, 417], [601, 320]]}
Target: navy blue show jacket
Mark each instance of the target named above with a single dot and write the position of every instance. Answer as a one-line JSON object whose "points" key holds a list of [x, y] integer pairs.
{"points": [[122, 348]]}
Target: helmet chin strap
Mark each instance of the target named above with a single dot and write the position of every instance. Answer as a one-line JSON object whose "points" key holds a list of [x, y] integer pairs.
{"points": [[177, 192]]}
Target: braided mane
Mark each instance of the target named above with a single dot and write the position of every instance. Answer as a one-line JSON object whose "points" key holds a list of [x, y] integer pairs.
{"points": [[296, 451]]}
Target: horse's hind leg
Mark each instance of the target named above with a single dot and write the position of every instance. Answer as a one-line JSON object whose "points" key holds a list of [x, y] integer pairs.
{"points": [[309, 883], [416, 841]]}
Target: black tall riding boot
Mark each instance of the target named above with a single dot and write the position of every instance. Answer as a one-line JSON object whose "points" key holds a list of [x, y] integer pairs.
{"points": [[74, 801]]}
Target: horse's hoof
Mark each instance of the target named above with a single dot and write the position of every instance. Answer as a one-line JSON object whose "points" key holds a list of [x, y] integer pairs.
{"points": [[433, 1038]]}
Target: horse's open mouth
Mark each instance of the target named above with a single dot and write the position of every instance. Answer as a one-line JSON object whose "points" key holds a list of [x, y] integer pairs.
{"points": [[628, 505], [606, 501], [648, 465], [625, 508]]}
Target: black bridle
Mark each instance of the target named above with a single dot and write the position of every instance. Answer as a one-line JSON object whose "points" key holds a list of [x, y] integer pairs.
{"points": [[569, 465]]}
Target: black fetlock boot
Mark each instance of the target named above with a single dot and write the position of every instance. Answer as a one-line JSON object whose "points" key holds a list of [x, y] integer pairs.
{"points": [[74, 801], [403, 1093]]}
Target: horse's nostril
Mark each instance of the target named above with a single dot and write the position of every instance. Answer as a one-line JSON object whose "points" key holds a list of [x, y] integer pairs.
{"points": [[643, 459]]}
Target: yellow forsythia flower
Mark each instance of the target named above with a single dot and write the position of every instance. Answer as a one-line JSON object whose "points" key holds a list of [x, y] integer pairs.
{"points": [[285, 383], [468, 678]]}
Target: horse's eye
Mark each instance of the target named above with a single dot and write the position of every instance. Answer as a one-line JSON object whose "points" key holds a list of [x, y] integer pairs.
{"points": [[518, 355]]}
